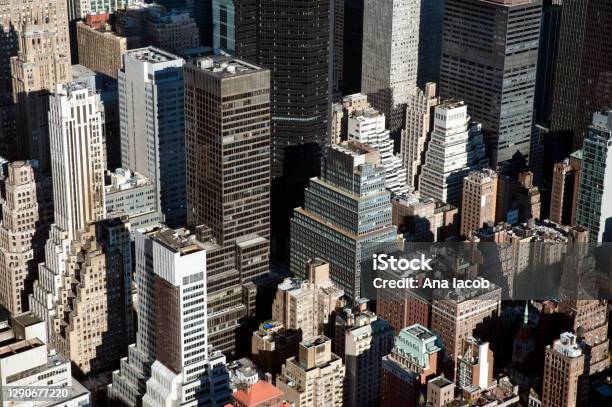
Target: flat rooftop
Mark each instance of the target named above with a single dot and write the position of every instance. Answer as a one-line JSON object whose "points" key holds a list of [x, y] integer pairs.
{"points": [[178, 240], [152, 55], [225, 66], [27, 319], [20, 347]]}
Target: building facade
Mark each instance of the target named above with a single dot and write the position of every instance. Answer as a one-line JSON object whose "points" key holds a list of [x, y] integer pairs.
{"points": [[479, 201], [563, 368]]}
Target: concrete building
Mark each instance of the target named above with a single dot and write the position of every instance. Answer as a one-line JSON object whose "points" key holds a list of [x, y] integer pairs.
{"points": [[390, 56], [440, 392], [367, 127], [314, 378], [362, 339], [21, 240], [414, 359], [421, 219], [41, 62], [76, 121], [455, 148], [152, 130], [479, 201], [352, 183], [25, 361], [172, 328], [563, 368], [475, 367], [518, 199], [99, 48], [564, 191], [594, 207], [78, 9], [228, 181], [272, 344], [307, 304], [131, 194], [494, 71], [416, 133]]}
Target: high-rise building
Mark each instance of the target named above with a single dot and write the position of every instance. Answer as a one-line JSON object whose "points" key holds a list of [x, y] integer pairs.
{"points": [[430, 41], [99, 48], [352, 46], [362, 339], [594, 207], [390, 55], [367, 127], [21, 240], [171, 361], [518, 199], [228, 180], [352, 183], [494, 70], [41, 62], [202, 13], [151, 106], [224, 25], [582, 78], [300, 92], [76, 122], [272, 344], [307, 304], [415, 136], [478, 204], [314, 378], [564, 191], [563, 368], [455, 148], [415, 358], [78, 9], [475, 367]]}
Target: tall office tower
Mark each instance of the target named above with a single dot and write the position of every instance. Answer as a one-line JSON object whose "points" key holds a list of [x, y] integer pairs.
{"points": [[563, 368], [457, 319], [352, 46], [337, 44], [415, 136], [362, 339], [581, 85], [494, 71], [152, 130], [431, 21], [352, 183], [42, 61], [306, 305], [590, 322], [25, 361], [455, 148], [76, 121], [415, 358], [171, 361], [594, 207], [478, 203], [202, 13], [21, 240], [564, 191], [224, 25], [390, 55], [228, 173], [475, 364], [300, 92], [315, 378], [367, 127], [130, 194], [99, 48]]}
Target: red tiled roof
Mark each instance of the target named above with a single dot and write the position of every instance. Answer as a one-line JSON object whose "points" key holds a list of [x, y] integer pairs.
{"points": [[257, 393]]}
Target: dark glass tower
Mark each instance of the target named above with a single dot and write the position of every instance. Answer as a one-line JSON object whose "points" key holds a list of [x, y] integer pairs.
{"points": [[352, 46], [583, 81], [202, 14], [430, 41], [489, 57]]}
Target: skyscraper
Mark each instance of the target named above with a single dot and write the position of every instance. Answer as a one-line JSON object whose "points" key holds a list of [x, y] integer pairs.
{"points": [[415, 136], [431, 20], [352, 47], [594, 207], [455, 148], [564, 191], [152, 126], [582, 78], [228, 182], [346, 210], [171, 360], [314, 378], [290, 31], [563, 368], [20, 241], [478, 204], [42, 62], [390, 55], [494, 70]]}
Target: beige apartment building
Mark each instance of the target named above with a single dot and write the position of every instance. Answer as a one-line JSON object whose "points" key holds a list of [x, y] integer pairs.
{"points": [[314, 378], [563, 368], [18, 229], [479, 201]]}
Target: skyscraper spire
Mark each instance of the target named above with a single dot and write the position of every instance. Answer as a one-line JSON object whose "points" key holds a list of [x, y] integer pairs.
{"points": [[526, 313]]}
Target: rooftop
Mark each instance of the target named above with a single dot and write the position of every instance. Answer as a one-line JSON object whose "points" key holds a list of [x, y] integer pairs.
{"points": [[178, 240], [27, 319], [257, 393], [152, 55], [225, 66]]}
